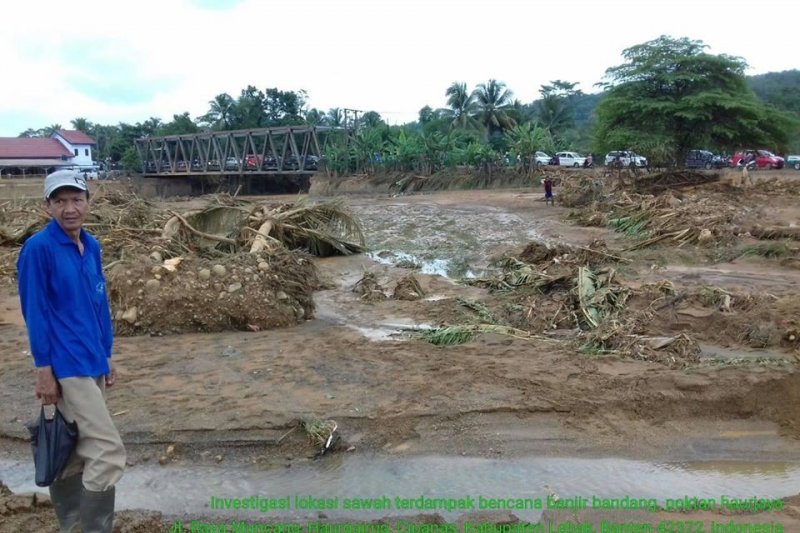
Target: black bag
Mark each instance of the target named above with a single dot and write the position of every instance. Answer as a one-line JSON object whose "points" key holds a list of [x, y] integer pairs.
{"points": [[53, 440]]}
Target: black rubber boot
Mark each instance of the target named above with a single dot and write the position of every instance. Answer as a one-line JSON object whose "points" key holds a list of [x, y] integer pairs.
{"points": [[65, 494], [97, 511]]}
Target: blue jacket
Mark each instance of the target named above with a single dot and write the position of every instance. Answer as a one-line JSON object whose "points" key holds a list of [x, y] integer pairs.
{"points": [[64, 302]]}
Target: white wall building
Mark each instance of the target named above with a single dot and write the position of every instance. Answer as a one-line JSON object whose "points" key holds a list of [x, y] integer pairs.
{"points": [[79, 144]]}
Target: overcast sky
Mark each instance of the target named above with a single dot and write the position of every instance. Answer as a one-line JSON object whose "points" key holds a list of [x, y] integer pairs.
{"points": [[124, 61]]}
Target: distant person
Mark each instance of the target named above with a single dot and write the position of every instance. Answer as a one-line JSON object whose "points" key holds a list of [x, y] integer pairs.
{"points": [[589, 161], [62, 290], [548, 191]]}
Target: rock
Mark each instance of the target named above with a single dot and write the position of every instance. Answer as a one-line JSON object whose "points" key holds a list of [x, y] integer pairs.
{"points": [[705, 235], [156, 257], [248, 270], [163, 460], [152, 285], [204, 273], [230, 351], [219, 270], [299, 312], [156, 270], [233, 287], [130, 315], [170, 450], [263, 266], [218, 458], [280, 295], [222, 295]]}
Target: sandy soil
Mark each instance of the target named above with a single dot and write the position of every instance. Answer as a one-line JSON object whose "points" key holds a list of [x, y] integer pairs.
{"points": [[228, 394]]}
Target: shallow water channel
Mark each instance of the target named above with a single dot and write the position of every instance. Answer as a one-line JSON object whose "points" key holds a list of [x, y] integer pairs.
{"points": [[187, 489]]}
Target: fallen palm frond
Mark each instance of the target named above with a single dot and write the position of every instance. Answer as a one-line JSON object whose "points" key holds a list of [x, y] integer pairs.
{"points": [[769, 250], [322, 229], [672, 179], [464, 333], [671, 220], [515, 274], [482, 310], [775, 232], [598, 295]]}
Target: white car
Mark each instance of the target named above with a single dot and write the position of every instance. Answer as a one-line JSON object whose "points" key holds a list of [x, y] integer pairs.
{"points": [[625, 158], [570, 159], [793, 161], [541, 158]]}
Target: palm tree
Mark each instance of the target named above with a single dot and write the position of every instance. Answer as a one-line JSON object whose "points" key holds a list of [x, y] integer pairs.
{"points": [[335, 117], [315, 117], [220, 112], [51, 129], [462, 105], [81, 124], [492, 99]]}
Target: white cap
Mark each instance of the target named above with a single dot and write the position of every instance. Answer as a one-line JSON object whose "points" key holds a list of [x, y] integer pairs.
{"points": [[63, 178]]}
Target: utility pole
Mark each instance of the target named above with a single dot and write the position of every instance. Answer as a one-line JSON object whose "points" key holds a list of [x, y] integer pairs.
{"points": [[354, 121]]}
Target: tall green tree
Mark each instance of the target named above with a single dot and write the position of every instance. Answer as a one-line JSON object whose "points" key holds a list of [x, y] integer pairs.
{"points": [[221, 112], [461, 104], [249, 110], [81, 124], [283, 107], [492, 99], [180, 124], [555, 110], [335, 117], [671, 96]]}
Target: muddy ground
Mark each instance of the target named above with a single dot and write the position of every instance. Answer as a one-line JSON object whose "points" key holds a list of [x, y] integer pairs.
{"points": [[236, 397]]}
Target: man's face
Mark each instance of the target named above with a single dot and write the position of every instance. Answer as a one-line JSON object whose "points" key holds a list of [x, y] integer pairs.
{"points": [[69, 207]]}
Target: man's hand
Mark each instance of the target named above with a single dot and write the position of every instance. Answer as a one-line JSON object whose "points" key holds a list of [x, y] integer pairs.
{"points": [[111, 377], [46, 386]]}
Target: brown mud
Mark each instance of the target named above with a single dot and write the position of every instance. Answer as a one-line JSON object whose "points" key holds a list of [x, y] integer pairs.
{"points": [[238, 396]]}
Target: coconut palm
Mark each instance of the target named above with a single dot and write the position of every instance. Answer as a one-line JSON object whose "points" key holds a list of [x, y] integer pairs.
{"points": [[492, 100], [462, 105], [220, 114], [81, 124], [335, 117]]}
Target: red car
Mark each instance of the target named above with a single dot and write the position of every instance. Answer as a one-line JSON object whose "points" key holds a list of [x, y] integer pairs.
{"points": [[763, 158]]}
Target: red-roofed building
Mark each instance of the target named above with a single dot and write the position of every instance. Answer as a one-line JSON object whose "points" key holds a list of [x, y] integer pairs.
{"points": [[29, 155]]}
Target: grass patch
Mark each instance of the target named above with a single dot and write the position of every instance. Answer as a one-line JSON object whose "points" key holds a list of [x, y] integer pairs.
{"points": [[317, 430], [770, 250], [482, 311], [460, 334]]}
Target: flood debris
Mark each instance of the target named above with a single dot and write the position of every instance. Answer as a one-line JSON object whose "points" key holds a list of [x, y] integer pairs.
{"points": [[229, 265], [369, 289], [408, 288]]}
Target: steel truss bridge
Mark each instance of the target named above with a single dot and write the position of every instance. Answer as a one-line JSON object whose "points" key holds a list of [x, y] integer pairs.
{"points": [[292, 150]]}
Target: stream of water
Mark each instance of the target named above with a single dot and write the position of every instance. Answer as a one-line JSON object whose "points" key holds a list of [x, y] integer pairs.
{"points": [[187, 490]]}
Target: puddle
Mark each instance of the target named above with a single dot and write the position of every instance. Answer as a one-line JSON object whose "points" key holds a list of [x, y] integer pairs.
{"points": [[176, 489], [448, 268]]}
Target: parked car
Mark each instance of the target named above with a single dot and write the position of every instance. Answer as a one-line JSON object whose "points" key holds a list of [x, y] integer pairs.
{"points": [[793, 161], [231, 163], [625, 158], [704, 159], [763, 158], [570, 159], [541, 158], [293, 163]]}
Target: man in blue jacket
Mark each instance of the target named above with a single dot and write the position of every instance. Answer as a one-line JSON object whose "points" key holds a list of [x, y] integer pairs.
{"points": [[63, 295]]}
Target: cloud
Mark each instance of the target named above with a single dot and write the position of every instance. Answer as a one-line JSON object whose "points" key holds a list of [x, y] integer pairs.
{"points": [[216, 4], [113, 62]]}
